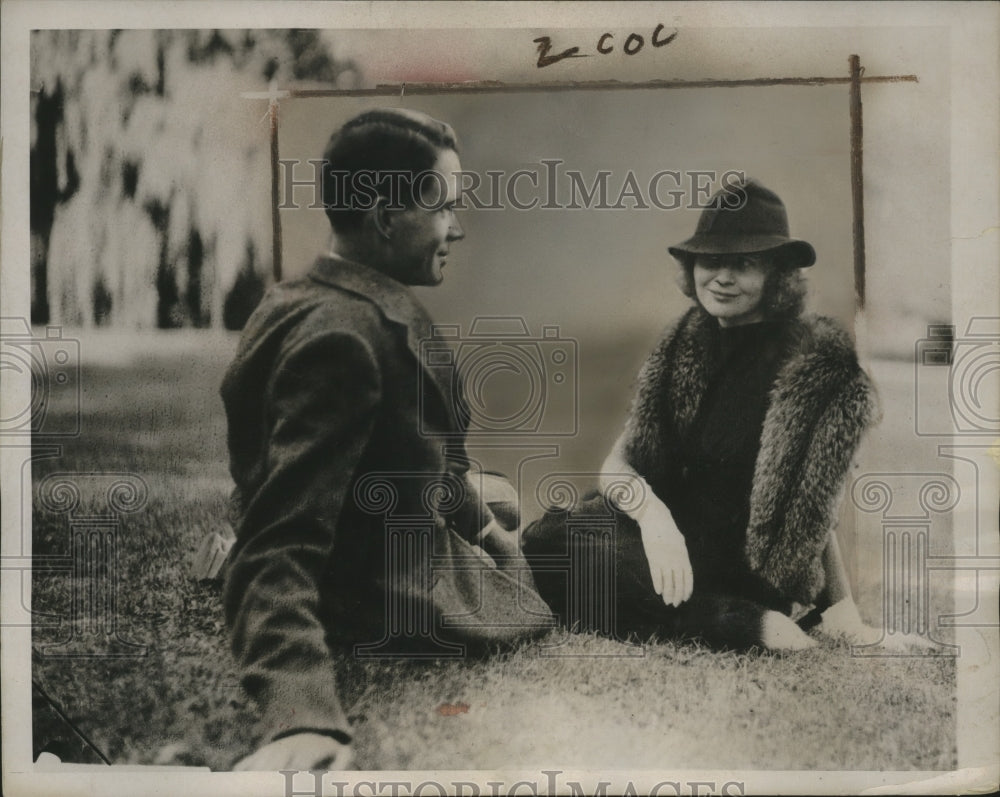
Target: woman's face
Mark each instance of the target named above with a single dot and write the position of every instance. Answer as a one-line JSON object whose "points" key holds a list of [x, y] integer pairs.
{"points": [[731, 287]]}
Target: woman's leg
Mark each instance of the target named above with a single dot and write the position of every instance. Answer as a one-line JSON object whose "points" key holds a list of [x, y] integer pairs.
{"points": [[840, 617], [736, 623], [839, 612], [838, 585], [590, 567]]}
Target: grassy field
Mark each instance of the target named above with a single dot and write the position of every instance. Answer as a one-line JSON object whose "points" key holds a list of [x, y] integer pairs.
{"points": [[152, 411]]}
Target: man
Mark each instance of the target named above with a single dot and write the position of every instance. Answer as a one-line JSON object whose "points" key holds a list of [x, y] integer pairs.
{"points": [[335, 429]]}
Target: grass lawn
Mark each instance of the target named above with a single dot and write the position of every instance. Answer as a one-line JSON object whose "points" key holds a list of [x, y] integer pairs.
{"points": [[573, 701]]}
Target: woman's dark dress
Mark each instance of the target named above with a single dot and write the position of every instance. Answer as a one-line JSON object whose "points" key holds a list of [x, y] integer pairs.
{"points": [[707, 488]]}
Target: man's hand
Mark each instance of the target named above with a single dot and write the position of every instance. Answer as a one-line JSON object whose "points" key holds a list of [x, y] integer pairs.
{"points": [[299, 751], [503, 547], [666, 553], [498, 542]]}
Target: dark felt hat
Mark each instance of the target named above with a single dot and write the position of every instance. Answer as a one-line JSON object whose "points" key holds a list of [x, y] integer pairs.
{"points": [[745, 218]]}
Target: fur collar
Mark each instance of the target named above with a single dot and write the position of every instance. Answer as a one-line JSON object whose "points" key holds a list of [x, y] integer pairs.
{"points": [[820, 405]]}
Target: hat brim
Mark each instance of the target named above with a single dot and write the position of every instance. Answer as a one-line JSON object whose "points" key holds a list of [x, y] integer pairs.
{"points": [[798, 254]]}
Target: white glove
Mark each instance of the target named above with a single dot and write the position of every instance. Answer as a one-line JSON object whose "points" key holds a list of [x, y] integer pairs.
{"points": [[666, 552]]}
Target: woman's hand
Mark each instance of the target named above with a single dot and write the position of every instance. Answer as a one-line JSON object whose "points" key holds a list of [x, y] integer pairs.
{"points": [[666, 553], [299, 751]]}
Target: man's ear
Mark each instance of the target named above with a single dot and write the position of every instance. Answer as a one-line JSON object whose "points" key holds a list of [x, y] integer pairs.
{"points": [[382, 217]]}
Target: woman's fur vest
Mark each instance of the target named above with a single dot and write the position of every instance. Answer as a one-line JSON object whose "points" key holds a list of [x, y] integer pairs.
{"points": [[820, 405]]}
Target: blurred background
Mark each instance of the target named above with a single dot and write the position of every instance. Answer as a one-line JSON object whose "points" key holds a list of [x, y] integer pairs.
{"points": [[150, 197], [150, 171]]}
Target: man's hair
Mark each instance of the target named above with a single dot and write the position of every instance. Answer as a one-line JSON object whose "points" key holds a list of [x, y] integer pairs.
{"points": [[784, 288], [392, 148]]}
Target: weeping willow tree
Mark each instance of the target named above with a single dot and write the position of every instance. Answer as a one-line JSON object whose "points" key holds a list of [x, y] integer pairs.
{"points": [[149, 171]]}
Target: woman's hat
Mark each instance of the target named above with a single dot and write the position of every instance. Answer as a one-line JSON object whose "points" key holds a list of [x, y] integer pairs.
{"points": [[745, 218]]}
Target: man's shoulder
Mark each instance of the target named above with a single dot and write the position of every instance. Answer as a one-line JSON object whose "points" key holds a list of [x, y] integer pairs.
{"points": [[308, 308], [301, 312], [319, 296]]}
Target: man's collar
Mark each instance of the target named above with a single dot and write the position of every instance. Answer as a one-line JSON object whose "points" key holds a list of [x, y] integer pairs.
{"points": [[393, 298], [397, 303]]}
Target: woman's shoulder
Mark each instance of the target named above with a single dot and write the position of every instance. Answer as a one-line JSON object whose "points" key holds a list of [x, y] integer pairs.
{"points": [[811, 334], [677, 351]]}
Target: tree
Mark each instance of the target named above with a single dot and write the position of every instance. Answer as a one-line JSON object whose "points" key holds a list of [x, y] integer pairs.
{"points": [[149, 171]]}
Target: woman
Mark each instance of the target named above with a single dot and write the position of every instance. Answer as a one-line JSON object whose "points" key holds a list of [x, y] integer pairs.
{"points": [[734, 457]]}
